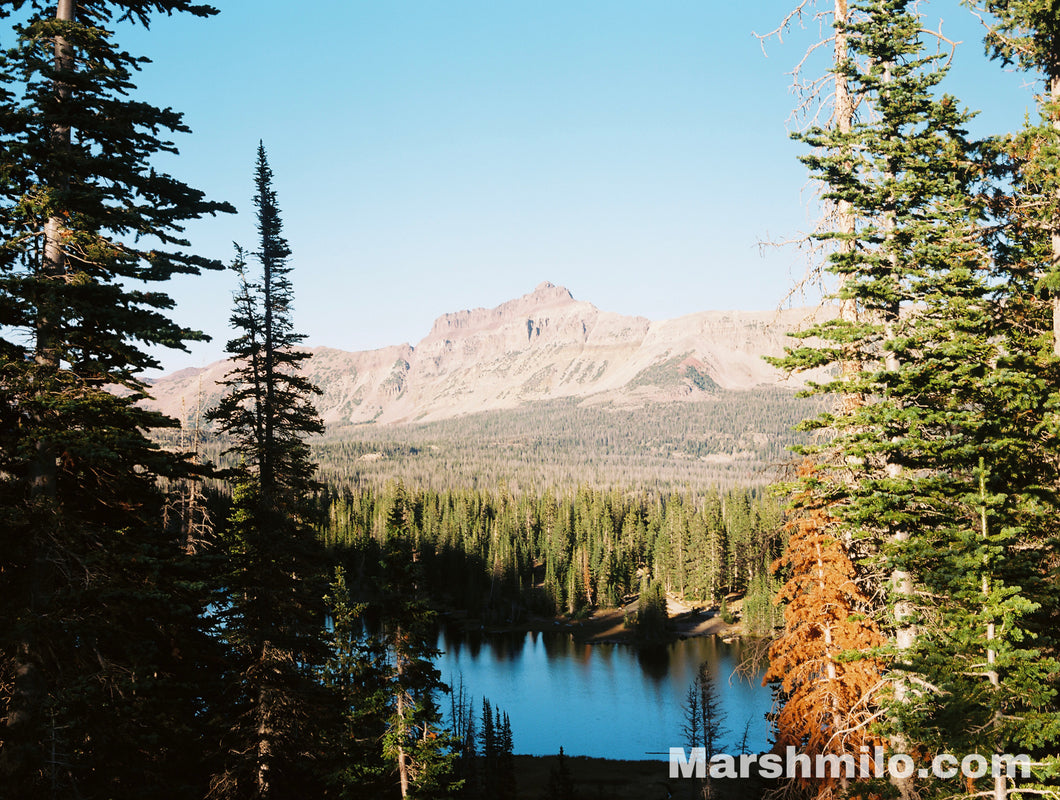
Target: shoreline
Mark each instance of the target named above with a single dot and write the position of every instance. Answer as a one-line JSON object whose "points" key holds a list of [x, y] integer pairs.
{"points": [[607, 625], [625, 779]]}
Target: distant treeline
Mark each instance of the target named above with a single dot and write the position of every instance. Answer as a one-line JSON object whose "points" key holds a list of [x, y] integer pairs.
{"points": [[733, 439], [499, 555]]}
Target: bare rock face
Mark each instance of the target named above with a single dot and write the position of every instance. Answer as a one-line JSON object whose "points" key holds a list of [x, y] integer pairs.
{"points": [[541, 346]]}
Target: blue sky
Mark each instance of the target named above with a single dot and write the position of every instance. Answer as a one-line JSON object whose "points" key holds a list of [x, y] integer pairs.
{"points": [[431, 156]]}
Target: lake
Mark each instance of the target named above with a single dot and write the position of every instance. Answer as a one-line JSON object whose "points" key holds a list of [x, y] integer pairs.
{"points": [[601, 700]]}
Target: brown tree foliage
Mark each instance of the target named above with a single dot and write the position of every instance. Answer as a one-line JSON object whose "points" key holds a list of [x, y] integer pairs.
{"points": [[830, 691]]}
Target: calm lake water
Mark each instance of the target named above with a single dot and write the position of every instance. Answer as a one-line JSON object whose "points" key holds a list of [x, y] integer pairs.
{"points": [[602, 700]]}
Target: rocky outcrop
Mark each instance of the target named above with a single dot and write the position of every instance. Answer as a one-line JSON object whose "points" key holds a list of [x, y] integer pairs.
{"points": [[541, 346]]}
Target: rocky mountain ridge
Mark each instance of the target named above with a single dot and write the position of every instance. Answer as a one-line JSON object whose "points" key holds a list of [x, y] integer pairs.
{"points": [[542, 346]]}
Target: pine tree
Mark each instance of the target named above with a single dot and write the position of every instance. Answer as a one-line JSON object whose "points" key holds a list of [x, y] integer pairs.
{"points": [[711, 714], [463, 726], [507, 786], [102, 647], [356, 674], [489, 750], [1027, 34], [955, 396], [821, 660], [1026, 207], [268, 408], [271, 611], [691, 728], [704, 724], [422, 752], [560, 780], [652, 617]]}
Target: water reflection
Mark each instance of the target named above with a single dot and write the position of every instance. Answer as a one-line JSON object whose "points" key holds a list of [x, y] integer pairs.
{"points": [[605, 700], [655, 661]]}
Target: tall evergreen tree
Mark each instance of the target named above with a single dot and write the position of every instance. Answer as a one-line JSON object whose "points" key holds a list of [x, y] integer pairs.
{"points": [[711, 714], [507, 785], [268, 408], [944, 465], [704, 724], [422, 752], [102, 630], [1027, 33], [271, 606], [357, 674]]}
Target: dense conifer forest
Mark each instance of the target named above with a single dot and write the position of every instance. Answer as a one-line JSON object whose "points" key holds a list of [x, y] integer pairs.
{"points": [[735, 439], [500, 556]]}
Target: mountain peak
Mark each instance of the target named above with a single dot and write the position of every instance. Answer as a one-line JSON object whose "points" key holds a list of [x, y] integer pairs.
{"points": [[545, 295], [546, 290], [542, 346]]}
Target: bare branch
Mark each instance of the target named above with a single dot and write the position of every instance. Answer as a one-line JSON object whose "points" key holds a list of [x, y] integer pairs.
{"points": [[778, 32]]}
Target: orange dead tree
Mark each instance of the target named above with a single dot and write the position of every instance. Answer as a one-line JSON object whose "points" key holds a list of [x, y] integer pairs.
{"points": [[829, 691]]}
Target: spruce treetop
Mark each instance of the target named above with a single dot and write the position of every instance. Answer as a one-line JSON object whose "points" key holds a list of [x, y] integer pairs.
{"points": [[83, 209]]}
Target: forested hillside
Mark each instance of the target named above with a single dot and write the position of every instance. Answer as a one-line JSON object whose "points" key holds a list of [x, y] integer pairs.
{"points": [[733, 439], [500, 555]]}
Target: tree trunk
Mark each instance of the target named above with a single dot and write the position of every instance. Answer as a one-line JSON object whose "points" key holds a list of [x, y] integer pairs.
{"points": [[264, 739], [1054, 230], [28, 689], [402, 756], [902, 585], [1000, 783], [901, 581], [845, 219], [52, 267], [838, 723]]}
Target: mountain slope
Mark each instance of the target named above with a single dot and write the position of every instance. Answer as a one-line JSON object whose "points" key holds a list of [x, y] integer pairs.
{"points": [[542, 346]]}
